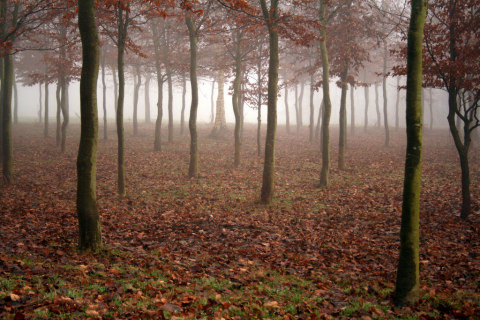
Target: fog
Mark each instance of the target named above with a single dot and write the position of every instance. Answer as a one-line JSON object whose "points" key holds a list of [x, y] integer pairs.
{"points": [[28, 101]]}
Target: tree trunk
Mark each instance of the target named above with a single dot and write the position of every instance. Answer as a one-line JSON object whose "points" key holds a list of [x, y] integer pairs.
{"points": [[287, 113], [235, 102], [170, 106], [147, 98], [212, 104], [184, 93], [220, 125], [408, 279], [8, 165], [241, 102], [397, 119], [300, 103], [326, 100], [342, 144], [352, 109], [104, 97], [268, 183], [377, 105], [385, 105], [63, 85], [122, 34], [297, 114], [15, 100], [318, 127], [192, 122], [157, 145], [45, 130], [90, 230], [40, 102], [137, 84], [2, 80], [58, 135], [312, 110], [366, 93], [115, 86], [431, 108], [259, 103]]}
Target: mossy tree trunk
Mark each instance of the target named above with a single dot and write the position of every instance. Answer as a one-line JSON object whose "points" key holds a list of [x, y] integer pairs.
{"points": [[90, 232], [408, 278], [123, 21], [2, 80], [319, 122], [385, 104], [192, 122], [327, 104], [342, 144], [271, 20], [235, 99]]}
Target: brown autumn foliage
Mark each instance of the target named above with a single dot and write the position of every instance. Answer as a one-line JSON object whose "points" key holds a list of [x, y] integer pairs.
{"points": [[206, 248]]}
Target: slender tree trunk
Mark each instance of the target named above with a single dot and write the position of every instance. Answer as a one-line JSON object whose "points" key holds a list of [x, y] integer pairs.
{"points": [[184, 93], [352, 109], [212, 104], [157, 145], [192, 122], [297, 113], [147, 98], [220, 121], [8, 164], [90, 230], [318, 127], [104, 97], [377, 106], [431, 108], [136, 93], [64, 97], [15, 100], [287, 113], [115, 86], [259, 103], [122, 34], [170, 106], [235, 102], [366, 93], [241, 102], [268, 183], [58, 135], [312, 110], [408, 278], [397, 119], [326, 100], [300, 103], [40, 102], [342, 144], [45, 130], [385, 104]]}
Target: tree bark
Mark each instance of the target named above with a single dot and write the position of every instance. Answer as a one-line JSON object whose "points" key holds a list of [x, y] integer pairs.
{"points": [[90, 230], [122, 34], [235, 98], [170, 105], [271, 20], [147, 98], [192, 122], [385, 104], [58, 93], [408, 278], [326, 101], [184, 93], [115, 86], [220, 125], [157, 145], [136, 93], [45, 129], [352, 109], [342, 144], [104, 97], [8, 164]]}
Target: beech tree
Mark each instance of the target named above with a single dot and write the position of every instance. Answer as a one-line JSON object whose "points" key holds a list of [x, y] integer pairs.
{"points": [[90, 233], [408, 273]]}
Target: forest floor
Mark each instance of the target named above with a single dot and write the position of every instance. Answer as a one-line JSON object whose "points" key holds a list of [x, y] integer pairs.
{"points": [[205, 248]]}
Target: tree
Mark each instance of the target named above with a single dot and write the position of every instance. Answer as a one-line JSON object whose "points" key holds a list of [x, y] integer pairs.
{"points": [[408, 279], [90, 233], [270, 15]]}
